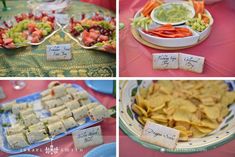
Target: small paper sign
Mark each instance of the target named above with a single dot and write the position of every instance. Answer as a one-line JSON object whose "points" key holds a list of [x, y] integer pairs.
{"points": [[160, 135], [59, 52], [165, 61], [191, 62], [87, 137]]}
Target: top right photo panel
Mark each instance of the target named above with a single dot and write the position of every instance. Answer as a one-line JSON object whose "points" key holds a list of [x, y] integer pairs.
{"points": [[177, 38]]}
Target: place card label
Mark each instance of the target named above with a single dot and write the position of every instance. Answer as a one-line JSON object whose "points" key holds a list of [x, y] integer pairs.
{"points": [[178, 61], [160, 135], [87, 137], [59, 52], [165, 61], [191, 62]]}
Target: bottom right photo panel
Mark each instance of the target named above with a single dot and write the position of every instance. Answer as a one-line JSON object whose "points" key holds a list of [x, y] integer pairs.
{"points": [[176, 118]]}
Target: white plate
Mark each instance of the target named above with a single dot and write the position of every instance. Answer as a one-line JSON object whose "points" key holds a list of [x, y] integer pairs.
{"points": [[171, 42], [176, 42]]}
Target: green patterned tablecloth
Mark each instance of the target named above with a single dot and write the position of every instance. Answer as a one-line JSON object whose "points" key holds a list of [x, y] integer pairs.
{"points": [[31, 61]]}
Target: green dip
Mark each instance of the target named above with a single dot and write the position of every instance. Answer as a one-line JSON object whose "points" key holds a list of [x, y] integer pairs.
{"points": [[172, 13]]}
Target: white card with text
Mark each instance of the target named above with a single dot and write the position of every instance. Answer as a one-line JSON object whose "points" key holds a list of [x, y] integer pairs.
{"points": [[165, 61], [87, 137], [59, 52], [191, 62], [160, 135]]}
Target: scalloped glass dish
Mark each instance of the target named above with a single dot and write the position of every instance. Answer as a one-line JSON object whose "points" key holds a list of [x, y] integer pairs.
{"points": [[131, 126]]}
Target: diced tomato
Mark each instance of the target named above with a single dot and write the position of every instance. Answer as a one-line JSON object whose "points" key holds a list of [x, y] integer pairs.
{"points": [[87, 40], [35, 40], [85, 34], [10, 45], [7, 41], [92, 30], [37, 33], [103, 38], [31, 27], [94, 35], [1, 41]]}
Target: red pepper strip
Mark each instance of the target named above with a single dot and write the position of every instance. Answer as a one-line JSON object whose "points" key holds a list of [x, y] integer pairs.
{"points": [[164, 35]]}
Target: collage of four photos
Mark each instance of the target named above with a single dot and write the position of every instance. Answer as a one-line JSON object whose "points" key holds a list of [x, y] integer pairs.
{"points": [[117, 78]]}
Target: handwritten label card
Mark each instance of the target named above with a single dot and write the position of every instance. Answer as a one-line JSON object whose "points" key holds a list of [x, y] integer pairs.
{"points": [[160, 135], [59, 52], [87, 137], [191, 62], [165, 61]]}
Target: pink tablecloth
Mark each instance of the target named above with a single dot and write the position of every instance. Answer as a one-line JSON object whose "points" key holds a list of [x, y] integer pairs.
{"points": [[218, 49], [108, 125], [129, 148], [109, 4]]}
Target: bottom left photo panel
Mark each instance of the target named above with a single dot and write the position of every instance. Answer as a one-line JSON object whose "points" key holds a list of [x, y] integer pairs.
{"points": [[57, 118]]}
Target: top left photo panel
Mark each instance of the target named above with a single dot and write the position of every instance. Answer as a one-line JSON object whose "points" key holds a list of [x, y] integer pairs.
{"points": [[58, 38]]}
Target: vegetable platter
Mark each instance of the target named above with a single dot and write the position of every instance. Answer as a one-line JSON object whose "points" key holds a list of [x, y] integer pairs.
{"points": [[93, 31], [27, 29], [172, 25], [31, 121]]}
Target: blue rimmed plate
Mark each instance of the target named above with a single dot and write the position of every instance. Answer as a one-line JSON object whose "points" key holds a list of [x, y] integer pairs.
{"points": [[35, 99], [103, 86]]}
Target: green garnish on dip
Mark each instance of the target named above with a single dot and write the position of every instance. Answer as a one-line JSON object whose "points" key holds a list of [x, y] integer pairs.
{"points": [[172, 13]]}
